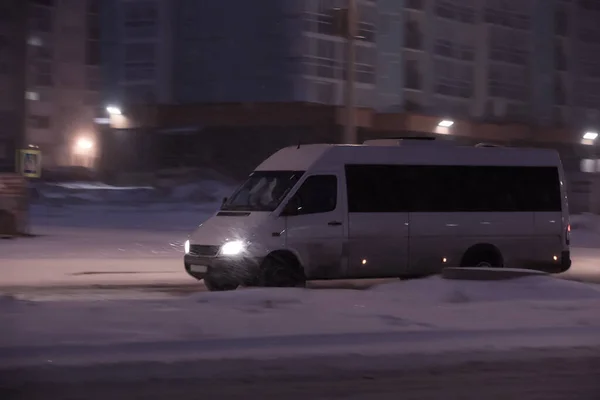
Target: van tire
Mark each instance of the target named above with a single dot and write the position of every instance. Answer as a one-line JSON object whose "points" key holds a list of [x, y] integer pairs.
{"points": [[482, 256], [281, 269], [214, 285]]}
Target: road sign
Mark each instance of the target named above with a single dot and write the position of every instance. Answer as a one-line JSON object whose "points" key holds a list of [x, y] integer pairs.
{"points": [[30, 163]]}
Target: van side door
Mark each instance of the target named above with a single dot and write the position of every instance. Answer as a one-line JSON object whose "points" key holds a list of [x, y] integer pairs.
{"points": [[378, 221], [315, 226]]}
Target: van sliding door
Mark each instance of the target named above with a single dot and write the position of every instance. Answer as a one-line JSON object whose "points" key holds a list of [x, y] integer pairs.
{"points": [[378, 231]]}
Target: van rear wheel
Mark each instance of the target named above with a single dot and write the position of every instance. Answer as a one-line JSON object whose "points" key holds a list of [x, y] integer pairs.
{"points": [[281, 270], [482, 256]]}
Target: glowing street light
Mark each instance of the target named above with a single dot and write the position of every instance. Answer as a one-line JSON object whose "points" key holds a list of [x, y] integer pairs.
{"points": [[446, 123], [83, 145], [113, 110], [590, 135]]}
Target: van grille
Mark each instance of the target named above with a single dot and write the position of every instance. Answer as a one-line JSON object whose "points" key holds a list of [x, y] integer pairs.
{"points": [[204, 250]]}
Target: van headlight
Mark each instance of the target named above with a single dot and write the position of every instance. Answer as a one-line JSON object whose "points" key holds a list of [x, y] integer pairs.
{"points": [[186, 247], [233, 248]]}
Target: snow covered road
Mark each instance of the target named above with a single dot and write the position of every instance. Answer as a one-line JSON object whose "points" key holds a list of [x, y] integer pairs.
{"points": [[107, 246], [98, 306], [542, 374]]}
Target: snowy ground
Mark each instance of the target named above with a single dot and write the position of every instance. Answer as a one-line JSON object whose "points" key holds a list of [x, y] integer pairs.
{"points": [[423, 339], [95, 247], [111, 243], [160, 314]]}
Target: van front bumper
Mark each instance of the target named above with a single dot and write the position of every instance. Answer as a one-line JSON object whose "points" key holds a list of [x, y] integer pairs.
{"points": [[233, 269]]}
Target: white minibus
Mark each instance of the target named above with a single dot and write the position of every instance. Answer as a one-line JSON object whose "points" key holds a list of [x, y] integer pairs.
{"points": [[387, 208]]}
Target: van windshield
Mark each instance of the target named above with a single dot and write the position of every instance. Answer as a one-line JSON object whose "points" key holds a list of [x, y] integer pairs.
{"points": [[262, 191]]}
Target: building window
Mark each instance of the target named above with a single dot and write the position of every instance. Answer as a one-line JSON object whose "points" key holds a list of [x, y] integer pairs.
{"points": [[93, 79], [43, 75], [39, 121], [560, 58], [449, 10], [589, 35], [92, 52], [140, 52], [443, 47], [589, 5], [561, 21], [453, 79], [507, 82], [412, 76], [93, 27], [447, 48], [139, 94], [560, 96], [414, 4], [365, 64], [325, 92], [45, 3], [41, 19], [93, 6], [141, 19], [139, 71], [413, 35], [5, 67], [509, 47], [44, 53], [366, 32], [507, 18]]}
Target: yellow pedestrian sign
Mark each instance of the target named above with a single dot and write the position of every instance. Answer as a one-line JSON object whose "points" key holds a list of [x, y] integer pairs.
{"points": [[30, 163]]}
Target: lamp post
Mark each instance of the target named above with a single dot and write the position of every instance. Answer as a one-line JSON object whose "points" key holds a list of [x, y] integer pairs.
{"points": [[350, 136], [345, 21], [590, 138]]}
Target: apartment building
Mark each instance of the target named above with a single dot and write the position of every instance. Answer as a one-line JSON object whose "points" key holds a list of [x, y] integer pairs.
{"points": [[522, 61], [577, 66], [63, 80], [12, 80], [137, 51]]}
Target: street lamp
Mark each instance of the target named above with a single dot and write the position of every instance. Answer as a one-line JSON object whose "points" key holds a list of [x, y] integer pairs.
{"points": [[346, 21], [83, 151], [113, 110], [84, 145], [590, 135], [445, 123]]}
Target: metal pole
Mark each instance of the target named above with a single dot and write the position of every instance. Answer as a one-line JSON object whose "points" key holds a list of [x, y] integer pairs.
{"points": [[350, 127]]}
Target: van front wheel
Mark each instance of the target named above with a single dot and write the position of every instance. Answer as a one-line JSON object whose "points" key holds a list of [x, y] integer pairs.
{"points": [[281, 270], [215, 285]]}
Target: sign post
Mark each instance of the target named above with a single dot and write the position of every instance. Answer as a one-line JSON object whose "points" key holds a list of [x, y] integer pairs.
{"points": [[30, 166], [30, 163]]}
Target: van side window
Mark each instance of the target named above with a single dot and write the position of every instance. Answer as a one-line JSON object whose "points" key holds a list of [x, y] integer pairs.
{"points": [[318, 194], [452, 188], [377, 188]]}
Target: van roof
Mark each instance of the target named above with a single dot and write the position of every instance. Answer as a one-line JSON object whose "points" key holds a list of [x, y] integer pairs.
{"points": [[301, 158]]}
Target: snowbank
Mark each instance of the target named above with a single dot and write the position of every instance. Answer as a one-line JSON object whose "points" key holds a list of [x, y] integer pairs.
{"points": [[206, 190], [430, 314], [427, 305]]}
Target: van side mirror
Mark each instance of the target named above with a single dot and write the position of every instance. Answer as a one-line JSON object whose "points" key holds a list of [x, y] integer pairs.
{"points": [[292, 207], [224, 201]]}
